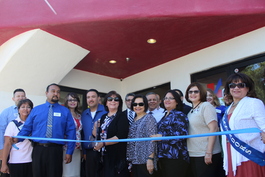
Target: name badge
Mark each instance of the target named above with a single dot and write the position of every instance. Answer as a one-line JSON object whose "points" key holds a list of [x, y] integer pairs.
{"points": [[218, 111], [57, 114]]}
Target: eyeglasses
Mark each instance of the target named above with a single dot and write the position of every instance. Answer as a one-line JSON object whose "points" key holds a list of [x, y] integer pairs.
{"points": [[194, 91], [238, 85], [169, 98], [152, 100], [129, 100], [137, 104], [72, 100], [111, 99]]}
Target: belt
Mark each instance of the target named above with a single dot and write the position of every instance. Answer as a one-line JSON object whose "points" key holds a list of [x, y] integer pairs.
{"points": [[47, 144]]}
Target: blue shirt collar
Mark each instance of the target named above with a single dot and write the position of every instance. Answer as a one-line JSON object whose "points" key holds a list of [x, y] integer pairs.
{"points": [[48, 104]]}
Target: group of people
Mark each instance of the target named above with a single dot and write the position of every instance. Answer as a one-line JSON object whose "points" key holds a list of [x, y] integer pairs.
{"points": [[235, 155], [37, 157]]}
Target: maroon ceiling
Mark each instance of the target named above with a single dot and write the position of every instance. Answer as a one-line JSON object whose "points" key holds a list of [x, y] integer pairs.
{"points": [[116, 30]]}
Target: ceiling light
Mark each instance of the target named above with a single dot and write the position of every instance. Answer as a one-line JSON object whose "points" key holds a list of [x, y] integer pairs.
{"points": [[112, 61], [151, 41]]}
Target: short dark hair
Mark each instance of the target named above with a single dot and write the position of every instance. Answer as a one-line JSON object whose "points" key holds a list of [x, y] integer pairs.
{"points": [[144, 99], [93, 90], [179, 91], [109, 95], [236, 77], [129, 94], [18, 90], [151, 93], [47, 89], [75, 96], [202, 90], [21, 102], [176, 96]]}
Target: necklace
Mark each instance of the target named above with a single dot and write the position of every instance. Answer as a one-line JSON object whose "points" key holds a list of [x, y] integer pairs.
{"points": [[195, 107], [234, 104]]}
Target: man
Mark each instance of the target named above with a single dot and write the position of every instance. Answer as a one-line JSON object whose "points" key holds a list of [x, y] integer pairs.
{"points": [[153, 106], [9, 114], [130, 114], [186, 108], [90, 118], [50, 120]]}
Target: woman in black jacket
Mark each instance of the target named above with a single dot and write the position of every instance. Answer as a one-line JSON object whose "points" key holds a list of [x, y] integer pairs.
{"points": [[113, 125]]}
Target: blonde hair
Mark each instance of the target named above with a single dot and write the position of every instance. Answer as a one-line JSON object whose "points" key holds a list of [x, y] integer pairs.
{"points": [[216, 101]]}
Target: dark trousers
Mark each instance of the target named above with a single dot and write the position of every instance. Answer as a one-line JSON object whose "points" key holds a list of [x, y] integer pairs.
{"points": [[111, 168], [200, 169], [47, 161], [93, 166], [21, 170], [140, 170], [173, 167], [189, 171], [158, 172]]}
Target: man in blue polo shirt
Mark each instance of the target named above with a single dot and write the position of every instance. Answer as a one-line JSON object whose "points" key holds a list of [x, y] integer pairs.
{"points": [[9, 114], [89, 117], [50, 120]]}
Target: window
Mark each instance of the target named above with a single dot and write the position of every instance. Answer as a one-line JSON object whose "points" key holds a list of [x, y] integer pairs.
{"points": [[215, 78], [81, 93], [159, 89]]}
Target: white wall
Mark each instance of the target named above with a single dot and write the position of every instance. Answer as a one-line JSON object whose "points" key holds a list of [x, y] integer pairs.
{"points": [[33, 60], [6, 99], [85, 80]]}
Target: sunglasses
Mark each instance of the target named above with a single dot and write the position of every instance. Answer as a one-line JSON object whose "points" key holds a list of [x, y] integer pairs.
{"points": [[238, 85], [194, 91], [137, 104], [111, 99], [129, 100]]}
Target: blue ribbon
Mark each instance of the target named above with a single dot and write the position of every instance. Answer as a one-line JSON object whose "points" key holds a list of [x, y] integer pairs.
{"points": [[248, 130]]}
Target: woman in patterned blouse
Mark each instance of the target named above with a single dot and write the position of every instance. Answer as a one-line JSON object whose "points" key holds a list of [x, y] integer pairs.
{"points": [[72, 102], [173, 154], [141, 153]]}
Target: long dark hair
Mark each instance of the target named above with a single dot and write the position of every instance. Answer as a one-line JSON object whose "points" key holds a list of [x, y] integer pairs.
{"points": [[75, 96], [176, 96]]}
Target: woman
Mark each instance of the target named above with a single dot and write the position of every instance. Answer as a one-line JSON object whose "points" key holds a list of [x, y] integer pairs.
{"points": [[20, 154], [204, 152], [173, 154], [72, 169], [113, 126], [245, 112], [227, 100], [142, 153], [213, 99]]}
